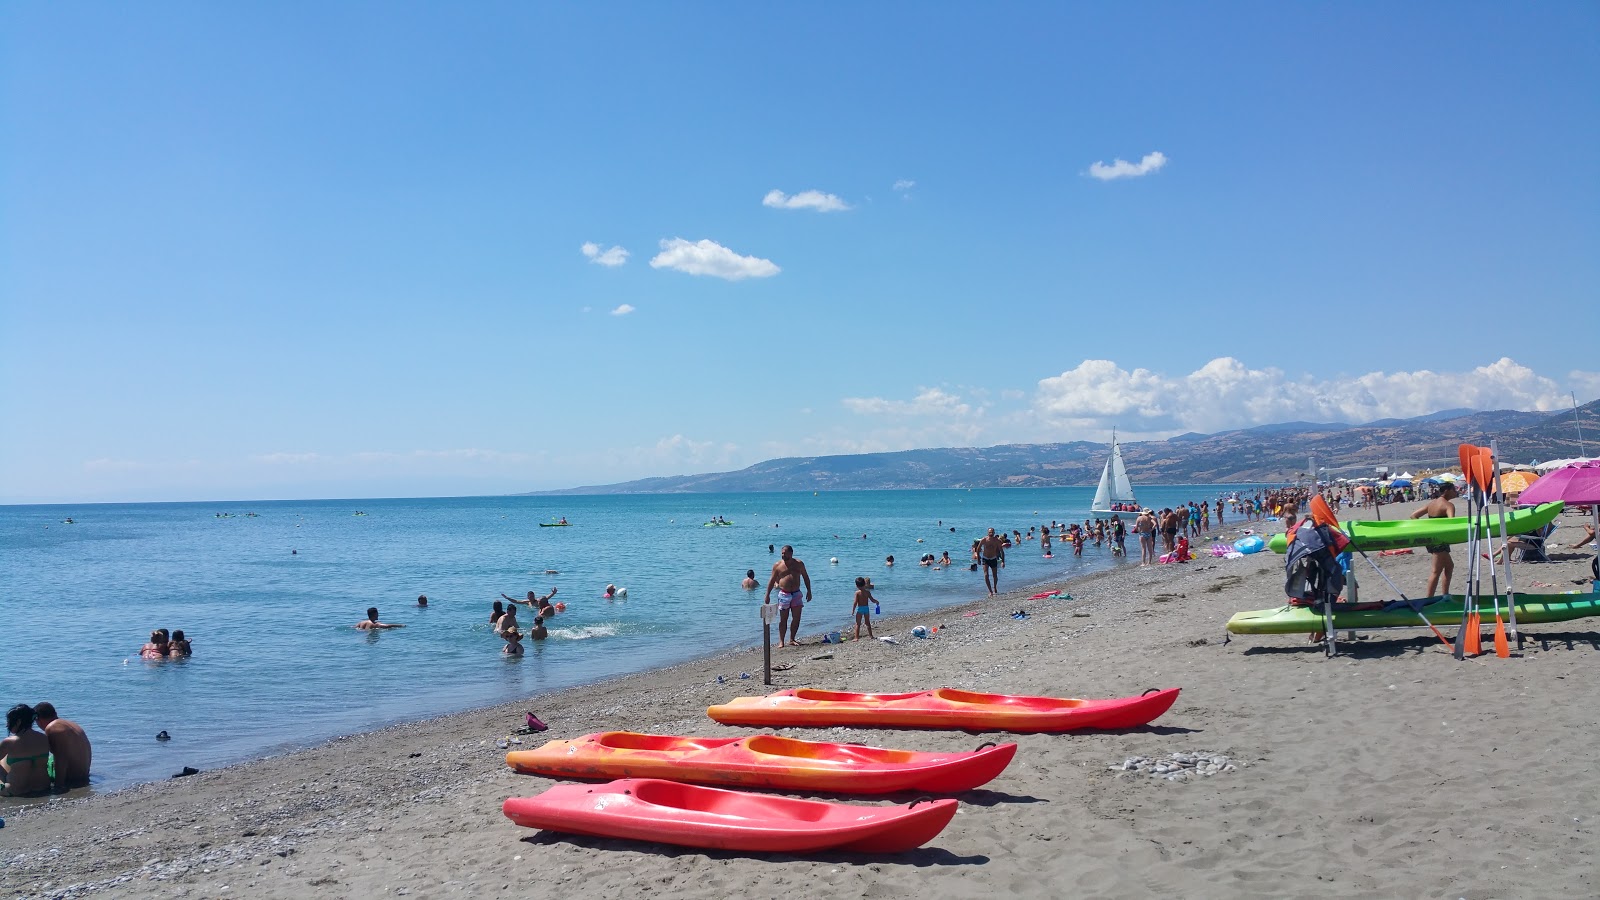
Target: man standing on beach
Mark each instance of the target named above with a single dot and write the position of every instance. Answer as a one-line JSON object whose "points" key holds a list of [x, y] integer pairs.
{"points": [[787, 573], [992, 555], [68, 744], [1145, 528], [1444, 566]]}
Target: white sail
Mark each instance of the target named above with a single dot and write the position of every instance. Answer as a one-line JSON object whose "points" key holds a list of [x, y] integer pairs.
{"points": [[1115, 487]]}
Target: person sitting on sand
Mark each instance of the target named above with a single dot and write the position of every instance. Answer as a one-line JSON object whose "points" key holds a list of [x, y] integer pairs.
{"points": [[180, 645], [513, 639], [68, 744], [750, 583], [159, 647], [538, 632], [863, 607], [24, 755], [1588, 535], [371, 623]]}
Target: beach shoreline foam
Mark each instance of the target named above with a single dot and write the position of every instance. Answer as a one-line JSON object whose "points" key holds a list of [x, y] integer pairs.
{"points": [[1391, 770]]}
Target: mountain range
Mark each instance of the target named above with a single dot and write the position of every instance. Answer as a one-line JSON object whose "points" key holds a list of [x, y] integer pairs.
{"points": [[1264, 453]]}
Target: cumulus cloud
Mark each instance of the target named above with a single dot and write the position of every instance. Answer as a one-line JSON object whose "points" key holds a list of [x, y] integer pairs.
{"points": [[707, 257], [610, 257], [904, 184], [622, 310], [816, 200], [930, 402], [1224, 394], [1121, 168]]}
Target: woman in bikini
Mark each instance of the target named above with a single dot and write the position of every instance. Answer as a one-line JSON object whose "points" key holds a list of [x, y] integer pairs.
{"points": [[160, 647], [24, 755]]}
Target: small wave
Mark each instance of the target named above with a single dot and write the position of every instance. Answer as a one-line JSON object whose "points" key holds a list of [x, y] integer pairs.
{"points": [[584, 632]]}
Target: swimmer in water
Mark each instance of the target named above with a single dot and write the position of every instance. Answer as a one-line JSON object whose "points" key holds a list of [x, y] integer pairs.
{"points": [[513, 639], [538, 632], [750, 583], [371, 623]]}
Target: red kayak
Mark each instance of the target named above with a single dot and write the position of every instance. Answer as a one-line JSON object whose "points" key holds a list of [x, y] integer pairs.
{"points": [[764, 760], [666, 812], [943, 708]]}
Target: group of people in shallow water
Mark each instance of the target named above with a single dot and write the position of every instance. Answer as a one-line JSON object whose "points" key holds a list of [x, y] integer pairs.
{"points": [[35, 761], [164, 645], [504, 619]]}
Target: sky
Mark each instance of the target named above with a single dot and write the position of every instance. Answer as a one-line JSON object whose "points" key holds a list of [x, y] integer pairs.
{"points": [[290, 250]]}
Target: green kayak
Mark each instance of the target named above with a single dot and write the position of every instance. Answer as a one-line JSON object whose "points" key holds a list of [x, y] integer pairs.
{"points": [[1400, 533], [1532, 609]]}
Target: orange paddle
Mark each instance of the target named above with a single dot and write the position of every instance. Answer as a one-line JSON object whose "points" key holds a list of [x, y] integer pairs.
{"points": [[1486, 468]]}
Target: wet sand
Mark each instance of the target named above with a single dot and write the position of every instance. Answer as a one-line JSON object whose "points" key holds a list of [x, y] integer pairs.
{"points": [[1391, 770]]}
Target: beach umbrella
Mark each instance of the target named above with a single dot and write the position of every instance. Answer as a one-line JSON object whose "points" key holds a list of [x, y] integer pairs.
{"points": [[1400, 482], [1578, 483], [1517, 481]]}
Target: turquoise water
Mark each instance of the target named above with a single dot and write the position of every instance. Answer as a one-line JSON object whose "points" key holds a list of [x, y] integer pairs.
{"points": [[278, 665]]}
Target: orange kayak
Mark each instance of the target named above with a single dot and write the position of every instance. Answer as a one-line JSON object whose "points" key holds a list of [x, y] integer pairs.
{"points": [[667, 812], [763, 761], [943, 708]]}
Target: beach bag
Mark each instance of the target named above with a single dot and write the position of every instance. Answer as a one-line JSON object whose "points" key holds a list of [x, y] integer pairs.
{"points": [[1312, 573]]}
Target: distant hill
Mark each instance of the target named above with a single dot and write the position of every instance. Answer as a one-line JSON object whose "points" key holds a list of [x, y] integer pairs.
{"points": [[1265, 453]]}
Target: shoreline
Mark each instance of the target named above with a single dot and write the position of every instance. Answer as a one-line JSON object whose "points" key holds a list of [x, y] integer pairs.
{"points": [[413, 807]]}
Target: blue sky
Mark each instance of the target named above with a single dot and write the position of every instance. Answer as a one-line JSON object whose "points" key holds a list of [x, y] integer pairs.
{"points": [[299, 250]]}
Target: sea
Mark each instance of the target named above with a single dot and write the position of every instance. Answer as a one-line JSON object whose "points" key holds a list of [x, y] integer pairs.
{"points": [[269, 591]]}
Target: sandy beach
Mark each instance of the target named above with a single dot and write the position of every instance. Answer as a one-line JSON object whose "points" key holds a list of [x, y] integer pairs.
{"points": [[1389, 771]]}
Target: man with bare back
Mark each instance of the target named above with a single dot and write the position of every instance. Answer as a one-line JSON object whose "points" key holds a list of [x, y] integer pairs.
{"points": [[787, 573], [1444, 565]]}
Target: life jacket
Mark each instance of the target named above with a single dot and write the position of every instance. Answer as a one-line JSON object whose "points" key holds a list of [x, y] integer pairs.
{"points": [[1312, 574]]}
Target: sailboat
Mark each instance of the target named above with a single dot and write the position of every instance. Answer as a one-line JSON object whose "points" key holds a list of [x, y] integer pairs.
{"points": [[1115, 493]]}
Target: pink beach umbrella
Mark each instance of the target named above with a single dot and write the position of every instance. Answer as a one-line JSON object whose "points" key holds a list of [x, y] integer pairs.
{"points": [[1578, 483]]}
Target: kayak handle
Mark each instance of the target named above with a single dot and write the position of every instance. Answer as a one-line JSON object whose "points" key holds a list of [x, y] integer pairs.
{"points": [[986, 744], [919, 800], [1151, 691]]}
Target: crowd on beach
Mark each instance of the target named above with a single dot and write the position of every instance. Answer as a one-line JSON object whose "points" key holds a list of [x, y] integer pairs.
{"points": [[1169, 528]]}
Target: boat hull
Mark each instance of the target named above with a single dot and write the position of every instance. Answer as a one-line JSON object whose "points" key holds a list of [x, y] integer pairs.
{"points": [[666, 812], [1532, 609], [1395, 535], [763, 761], [943, 708]]}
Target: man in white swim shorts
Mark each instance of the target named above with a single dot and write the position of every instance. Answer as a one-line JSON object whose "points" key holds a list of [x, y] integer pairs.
{"points": [[787, 573]]}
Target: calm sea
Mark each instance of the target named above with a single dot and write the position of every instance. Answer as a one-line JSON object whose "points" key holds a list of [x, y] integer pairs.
{"points": [[269, 600]]}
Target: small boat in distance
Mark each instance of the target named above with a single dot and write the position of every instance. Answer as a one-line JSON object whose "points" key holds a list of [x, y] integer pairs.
{"points": [[1115, 493]]}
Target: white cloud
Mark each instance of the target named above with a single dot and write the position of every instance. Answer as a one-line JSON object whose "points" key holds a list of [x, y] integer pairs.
{"points": [[1121, 168], [622, 310], [286, 458], [816, 200], [1224, 394], [904, 184], [711, 258], [930, 402], [611, 257]]}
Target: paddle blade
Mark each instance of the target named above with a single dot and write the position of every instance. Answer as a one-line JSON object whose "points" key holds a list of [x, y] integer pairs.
{"points": [[1466, 452], [1502, 648], [1485, 469], [1474, 635], [1322, 513]]}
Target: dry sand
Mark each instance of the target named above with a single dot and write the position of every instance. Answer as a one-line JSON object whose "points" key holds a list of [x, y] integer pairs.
{"points": [[1391, 771]]}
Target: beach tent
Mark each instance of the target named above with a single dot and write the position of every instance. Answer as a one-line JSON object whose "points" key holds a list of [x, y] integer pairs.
{"points": [[1552, 464]]}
